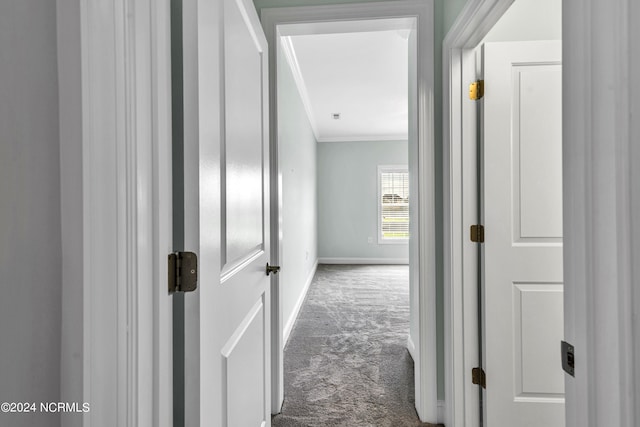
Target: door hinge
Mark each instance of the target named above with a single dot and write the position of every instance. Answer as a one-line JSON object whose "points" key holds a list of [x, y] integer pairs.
{"points": [[183, 272], [477, 233], [478, 377], [476, 90]]}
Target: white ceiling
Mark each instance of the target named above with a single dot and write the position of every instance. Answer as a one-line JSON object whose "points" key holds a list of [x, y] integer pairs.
{"points": [[362, 76]]}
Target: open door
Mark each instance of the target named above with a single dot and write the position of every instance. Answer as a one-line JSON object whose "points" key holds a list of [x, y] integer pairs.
{"points": [[226, 215], [523, 289]]}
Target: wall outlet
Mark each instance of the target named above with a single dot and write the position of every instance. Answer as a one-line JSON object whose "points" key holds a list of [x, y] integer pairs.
{"points": [[370, 239]]}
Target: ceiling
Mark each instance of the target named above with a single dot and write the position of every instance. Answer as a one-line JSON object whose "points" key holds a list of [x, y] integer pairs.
{"points": [[362, 76]]}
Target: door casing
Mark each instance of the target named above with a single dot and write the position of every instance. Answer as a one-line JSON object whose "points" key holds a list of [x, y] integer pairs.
{"points": [[460, 208], [422, 250], [115, 151]]}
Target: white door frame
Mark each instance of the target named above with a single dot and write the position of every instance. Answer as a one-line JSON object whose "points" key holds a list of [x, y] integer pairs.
{"points": [[115, 154], [422, 251], [601, 197], [601, 61], [460, 208]]}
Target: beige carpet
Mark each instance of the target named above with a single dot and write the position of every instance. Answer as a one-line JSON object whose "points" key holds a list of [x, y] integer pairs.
{"points": [[346, 362]]}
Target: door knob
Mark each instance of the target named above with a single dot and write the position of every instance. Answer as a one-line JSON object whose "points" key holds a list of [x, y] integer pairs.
{"points": [[272, 269]]}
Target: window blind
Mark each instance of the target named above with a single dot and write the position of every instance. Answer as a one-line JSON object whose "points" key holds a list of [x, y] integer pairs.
{"points": [[395, 205]]}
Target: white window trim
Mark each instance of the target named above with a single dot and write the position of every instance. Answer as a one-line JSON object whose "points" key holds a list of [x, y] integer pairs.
{"points": [[387, 169]]}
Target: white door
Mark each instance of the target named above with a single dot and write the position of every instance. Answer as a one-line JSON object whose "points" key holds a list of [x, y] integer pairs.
{"points": [[226, 146], [522, 208]]}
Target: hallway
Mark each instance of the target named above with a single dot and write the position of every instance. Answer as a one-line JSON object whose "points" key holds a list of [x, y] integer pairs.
{"points": [[346, 362]]}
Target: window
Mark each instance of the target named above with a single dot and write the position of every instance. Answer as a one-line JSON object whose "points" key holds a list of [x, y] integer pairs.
{"points": [[393, 204]]}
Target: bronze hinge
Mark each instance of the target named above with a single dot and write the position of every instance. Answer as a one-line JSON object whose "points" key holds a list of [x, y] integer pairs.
{"points": [[183, 272], [476, 90], [478, 377], [477, 233]]}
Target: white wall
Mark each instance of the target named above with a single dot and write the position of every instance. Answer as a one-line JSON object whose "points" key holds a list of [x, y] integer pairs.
{"points": [[348, 199], [529, 20], [30, 236], [297, 157]]}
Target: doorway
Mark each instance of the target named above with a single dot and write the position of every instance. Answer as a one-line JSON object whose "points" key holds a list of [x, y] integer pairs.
{"points": [[342, 113], [422, 249], [529, 373]]}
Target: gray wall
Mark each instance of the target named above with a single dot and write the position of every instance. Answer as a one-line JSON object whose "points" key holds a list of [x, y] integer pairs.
{"points": [[297, 158], [450, 11], [30, 237], [348, 198]]}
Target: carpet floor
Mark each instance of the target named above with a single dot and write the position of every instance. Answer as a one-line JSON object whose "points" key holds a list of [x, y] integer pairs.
{"points": [[346, 362]]}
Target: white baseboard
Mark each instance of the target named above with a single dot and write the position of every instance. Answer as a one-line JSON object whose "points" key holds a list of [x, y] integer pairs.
{"points": [[441, 406], [296, 310], [442, 409], [412, 348], [372, 261]]}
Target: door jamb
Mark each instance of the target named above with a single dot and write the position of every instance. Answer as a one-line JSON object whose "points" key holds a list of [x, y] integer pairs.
{"points": [[115, 156], [423, 251], [460, 202]]}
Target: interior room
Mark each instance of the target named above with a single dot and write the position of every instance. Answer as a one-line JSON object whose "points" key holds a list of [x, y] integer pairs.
{"points": [[343, 144]]}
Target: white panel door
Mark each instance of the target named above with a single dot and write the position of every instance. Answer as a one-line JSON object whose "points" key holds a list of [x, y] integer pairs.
{"points": [[522, 207], [227, 331]]}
